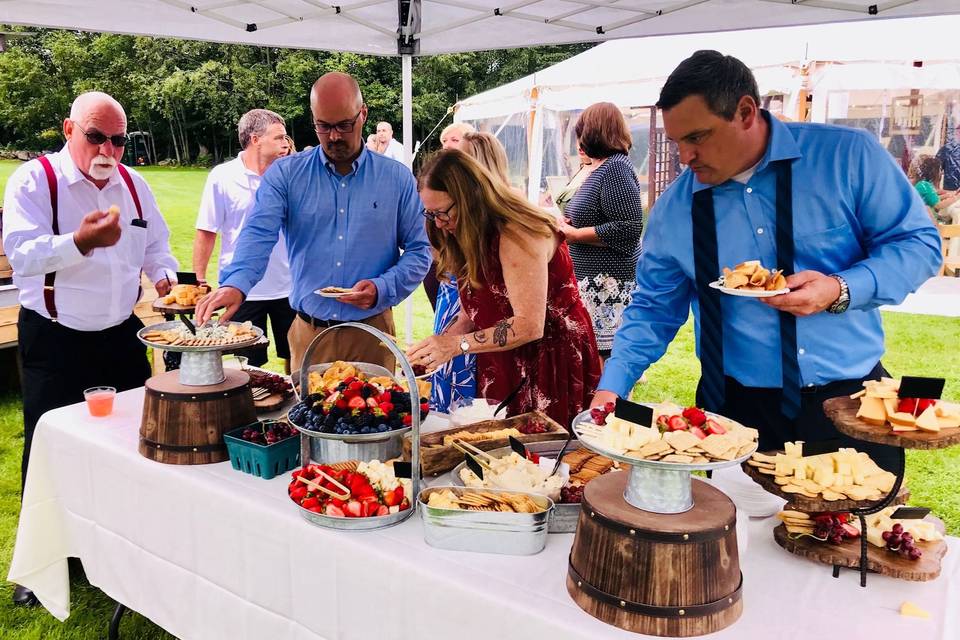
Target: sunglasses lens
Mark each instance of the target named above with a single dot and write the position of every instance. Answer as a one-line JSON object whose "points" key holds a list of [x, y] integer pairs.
{"points": [[96, 138], [119, 141]]}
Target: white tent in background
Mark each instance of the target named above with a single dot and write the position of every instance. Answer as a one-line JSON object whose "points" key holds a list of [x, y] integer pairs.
{"points": [[533, 115]]}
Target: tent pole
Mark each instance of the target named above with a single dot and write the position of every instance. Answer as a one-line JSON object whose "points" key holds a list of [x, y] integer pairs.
{"points": [[406, 61]]}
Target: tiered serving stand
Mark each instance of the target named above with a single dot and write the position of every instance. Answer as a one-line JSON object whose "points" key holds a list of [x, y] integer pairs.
{"points": [[635, 528], [187, 411], [329, 448], [842, 411]]}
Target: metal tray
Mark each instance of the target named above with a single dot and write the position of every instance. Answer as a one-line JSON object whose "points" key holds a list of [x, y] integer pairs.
{"points": [[517, 534], [584, 417], [164, 326], [565, 515], [355, 524]]}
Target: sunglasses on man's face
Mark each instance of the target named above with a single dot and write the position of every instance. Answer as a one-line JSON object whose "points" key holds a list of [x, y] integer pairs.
{"points": [[97, 138]]}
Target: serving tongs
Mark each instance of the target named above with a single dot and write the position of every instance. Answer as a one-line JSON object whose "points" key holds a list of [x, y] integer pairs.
{"points": [[478, 455], [313, 484]]}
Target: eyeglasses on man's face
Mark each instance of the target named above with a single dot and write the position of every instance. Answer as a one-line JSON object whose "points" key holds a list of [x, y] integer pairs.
{"points": [[345, 126], [97, 138], [443, 215]]}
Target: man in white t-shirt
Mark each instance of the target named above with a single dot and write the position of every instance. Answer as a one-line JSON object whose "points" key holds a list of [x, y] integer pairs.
{"points": [[228, 198], [385, 145]]}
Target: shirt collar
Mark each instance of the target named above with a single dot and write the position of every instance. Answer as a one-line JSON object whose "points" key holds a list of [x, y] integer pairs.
{"points": [[780, 146], [357, 163], [71, 173], [242, 174]]}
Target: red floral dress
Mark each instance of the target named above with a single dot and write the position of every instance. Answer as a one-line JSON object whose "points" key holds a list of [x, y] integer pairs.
{"points": [[562, 368]]}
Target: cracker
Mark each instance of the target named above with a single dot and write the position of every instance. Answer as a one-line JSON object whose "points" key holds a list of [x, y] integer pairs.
{"points": [[798, 515], [716, 445], [681, 440], [677, 457], [831, 495], [655, 447]]}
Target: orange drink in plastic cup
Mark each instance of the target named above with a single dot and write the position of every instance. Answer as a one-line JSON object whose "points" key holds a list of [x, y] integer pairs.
{"points": [[100, 400]]}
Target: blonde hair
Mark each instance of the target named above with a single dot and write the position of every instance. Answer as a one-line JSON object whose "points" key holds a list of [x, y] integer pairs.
{"points": [[291, 147], [486, 207], [462, 128], [487, 150]]}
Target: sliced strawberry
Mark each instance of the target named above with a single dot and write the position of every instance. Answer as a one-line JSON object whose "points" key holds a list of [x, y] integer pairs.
{"points": [[371, 508], [714, 427], [676, 423], [384, 397], [353, 509], [695, 416], [310, 503], [386, 407], [849, 530], [663, 423], [424, 407], [394, 497], [341, 403], [333, 510], [382, 510], [697, 431], [349, 394], [316, 508], [907, 405], [357, 403], [355, 385], [407, 419], [924, 403], [298, 493]]}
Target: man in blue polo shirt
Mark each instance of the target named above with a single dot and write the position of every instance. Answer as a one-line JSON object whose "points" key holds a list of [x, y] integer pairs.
{"points": [[826, 204], [351, 219]]}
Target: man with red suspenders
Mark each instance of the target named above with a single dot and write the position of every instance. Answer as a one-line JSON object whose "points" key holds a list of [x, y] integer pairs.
{"points": [[77, 265]]}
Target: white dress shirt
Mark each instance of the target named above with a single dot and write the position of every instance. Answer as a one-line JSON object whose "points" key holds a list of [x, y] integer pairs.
{"points": [[95, 291], [394, 150], [228, 198]]}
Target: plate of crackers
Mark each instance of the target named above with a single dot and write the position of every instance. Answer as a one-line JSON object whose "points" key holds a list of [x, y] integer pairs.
{"points": [[658, 446], [333, 292], [751, 280], [175, 336], [483, 500]]}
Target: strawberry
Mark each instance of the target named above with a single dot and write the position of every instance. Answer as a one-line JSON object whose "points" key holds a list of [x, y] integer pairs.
{"points": [[823, 518], [424, 407], [391, 498], [404, 505], [298, 493], [850, 531], [697, 431], [386, 407], [356, 402], [695, 416], [371, 508], [333, 510], [355, 385], [349, 394], [609, 407], [384, 397], [382, 510], [407, 419], [353, 509], [310, 503], [663, 423], [924, 403], [364, 492], [341, 403], [297, 473], [316, 509], [372, 402], [907, 405], [714, 427], [676, 423], [533, 457]]}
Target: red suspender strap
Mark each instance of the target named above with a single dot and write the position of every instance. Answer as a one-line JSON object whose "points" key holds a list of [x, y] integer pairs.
{"points": [[48, 279], [133, 190]]}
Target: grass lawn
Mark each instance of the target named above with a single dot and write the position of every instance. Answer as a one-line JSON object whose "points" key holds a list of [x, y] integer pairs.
{"points": [[918, 345]]}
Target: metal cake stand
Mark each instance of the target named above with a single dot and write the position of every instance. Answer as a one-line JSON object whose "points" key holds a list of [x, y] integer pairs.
{"points": [[200, 366]]}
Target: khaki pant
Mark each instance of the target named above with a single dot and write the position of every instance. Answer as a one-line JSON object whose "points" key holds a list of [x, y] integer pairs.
{"points": [[348, 344]]}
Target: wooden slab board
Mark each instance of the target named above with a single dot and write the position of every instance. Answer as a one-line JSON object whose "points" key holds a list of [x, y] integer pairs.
{"points": [[173, 308], [879, 560], [436, 459], [842, 412], [813, 505]]}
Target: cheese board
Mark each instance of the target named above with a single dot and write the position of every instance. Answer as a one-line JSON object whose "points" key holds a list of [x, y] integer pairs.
{"points": [[843, 411], [879, 559], [809, 504]]}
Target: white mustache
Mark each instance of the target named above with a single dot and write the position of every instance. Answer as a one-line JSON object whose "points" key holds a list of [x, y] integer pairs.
{"points": [[102, 167]]}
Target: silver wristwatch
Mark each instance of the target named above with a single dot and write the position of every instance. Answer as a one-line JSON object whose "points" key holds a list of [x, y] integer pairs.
{"points": [[464, 346], [843, 300]]}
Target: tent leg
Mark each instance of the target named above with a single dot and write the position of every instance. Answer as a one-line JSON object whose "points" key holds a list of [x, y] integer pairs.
{"points": [[406, 62]]}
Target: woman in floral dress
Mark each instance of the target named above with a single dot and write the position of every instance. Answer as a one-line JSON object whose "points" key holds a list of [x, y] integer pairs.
{"points": [[523, 316]]}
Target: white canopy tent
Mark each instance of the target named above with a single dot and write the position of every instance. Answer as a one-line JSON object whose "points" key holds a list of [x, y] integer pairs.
{"points": [[631, 72], [426, 27]]}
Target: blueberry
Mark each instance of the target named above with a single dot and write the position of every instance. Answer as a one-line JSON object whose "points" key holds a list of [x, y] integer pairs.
{"points": [[381, 428]]}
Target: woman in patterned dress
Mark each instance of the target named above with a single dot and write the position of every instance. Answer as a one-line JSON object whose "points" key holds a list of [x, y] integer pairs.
{"points": [[604, 220], [522, 311]]}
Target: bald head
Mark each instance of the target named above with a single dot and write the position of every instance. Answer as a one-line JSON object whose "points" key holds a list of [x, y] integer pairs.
{"points": [[339, 115], [95, 102]]}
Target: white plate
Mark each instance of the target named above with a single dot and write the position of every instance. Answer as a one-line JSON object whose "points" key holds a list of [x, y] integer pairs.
{"points": [[322, 293], [746, 293]]}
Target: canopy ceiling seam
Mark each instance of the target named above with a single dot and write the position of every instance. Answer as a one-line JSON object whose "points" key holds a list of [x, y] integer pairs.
{"points": [[872, 10]]}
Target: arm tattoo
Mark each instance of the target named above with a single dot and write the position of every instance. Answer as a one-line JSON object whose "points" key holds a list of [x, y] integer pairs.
{"points": [[500, 332], [480, 337]]}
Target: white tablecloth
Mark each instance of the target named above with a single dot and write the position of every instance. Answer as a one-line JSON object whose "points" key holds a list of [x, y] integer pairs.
{"points": [[207, 552]]}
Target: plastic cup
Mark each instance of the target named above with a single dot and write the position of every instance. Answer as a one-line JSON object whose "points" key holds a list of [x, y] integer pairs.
{"points": [[100, 400]]}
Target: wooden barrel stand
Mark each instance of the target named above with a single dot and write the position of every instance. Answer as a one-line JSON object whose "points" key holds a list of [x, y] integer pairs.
{"points": [[185, 425], [672, 575]]}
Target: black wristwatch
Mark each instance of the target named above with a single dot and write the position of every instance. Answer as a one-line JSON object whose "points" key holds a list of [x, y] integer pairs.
{"points": [[843, 300]]}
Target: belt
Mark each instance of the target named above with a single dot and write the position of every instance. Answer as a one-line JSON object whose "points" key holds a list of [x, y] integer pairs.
{"points": [[317, 322]]}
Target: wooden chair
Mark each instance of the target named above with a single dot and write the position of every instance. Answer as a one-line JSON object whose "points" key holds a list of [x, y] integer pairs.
{"points": [[951, 263]]}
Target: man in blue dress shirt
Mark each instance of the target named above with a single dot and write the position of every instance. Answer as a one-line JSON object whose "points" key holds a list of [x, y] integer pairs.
{"points": [[827, 204], [351, 219]]}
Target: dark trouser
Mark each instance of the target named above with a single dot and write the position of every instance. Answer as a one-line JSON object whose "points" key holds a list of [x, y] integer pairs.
{"points": [[281, 317], [760, 408], [59, 363]]}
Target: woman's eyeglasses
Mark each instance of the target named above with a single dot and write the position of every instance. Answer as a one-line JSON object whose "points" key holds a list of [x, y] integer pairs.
{"points": [[342, 127], [443, 215], [97, 138]]}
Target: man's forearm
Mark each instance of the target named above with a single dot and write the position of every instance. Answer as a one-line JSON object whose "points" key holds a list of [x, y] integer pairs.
{"points": [[203, 244]]}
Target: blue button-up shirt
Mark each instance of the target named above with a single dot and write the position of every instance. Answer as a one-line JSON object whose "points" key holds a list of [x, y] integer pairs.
{"points": [[854, 214], [339, 230]]}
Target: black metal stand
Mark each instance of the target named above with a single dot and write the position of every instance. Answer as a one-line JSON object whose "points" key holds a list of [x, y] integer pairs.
{"points": [[114, 631], [862, 512]]}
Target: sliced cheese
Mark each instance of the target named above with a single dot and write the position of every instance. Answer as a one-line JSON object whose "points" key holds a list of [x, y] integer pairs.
{"points": [[902, 419], [890, 404], [948, 422], [910, 609], [872, 411], [928, 420]]}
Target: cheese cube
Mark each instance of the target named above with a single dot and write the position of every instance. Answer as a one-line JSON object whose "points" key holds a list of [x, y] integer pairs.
{"points": [[927, 421], [912, 610]]}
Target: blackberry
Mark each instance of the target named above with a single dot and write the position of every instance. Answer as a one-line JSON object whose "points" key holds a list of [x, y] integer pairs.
{"points": [[366, 392], [366, 420]]}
